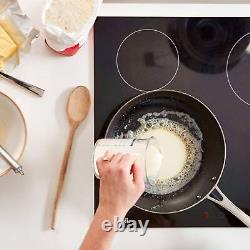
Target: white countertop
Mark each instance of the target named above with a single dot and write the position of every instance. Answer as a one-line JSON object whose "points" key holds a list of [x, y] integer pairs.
{"points": [[25, 201]]}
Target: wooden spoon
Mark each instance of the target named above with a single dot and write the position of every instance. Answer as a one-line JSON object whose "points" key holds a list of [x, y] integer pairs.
{"points": [[77, 110]]}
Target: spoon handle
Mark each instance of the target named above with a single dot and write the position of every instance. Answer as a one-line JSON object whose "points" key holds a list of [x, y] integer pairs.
{"points": [[63, 171]]}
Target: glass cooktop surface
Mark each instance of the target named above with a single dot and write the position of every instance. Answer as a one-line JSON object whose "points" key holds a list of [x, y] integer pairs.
{"points": [[208, 58]]}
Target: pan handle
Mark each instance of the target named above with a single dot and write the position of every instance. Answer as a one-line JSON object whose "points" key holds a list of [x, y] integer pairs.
{"points": [[229, 206]]}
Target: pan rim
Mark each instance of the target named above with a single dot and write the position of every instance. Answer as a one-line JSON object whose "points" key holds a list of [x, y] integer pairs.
{"points": [[217, 121]]}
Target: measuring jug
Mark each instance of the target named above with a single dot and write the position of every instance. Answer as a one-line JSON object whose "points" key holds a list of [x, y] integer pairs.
{"points": [[145, 151]]}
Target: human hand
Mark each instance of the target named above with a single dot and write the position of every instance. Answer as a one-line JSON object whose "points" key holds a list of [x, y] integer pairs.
{"points": [[121, 183]]}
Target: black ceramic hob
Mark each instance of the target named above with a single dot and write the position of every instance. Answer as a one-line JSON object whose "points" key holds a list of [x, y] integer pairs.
{"points": [[205, 57]]}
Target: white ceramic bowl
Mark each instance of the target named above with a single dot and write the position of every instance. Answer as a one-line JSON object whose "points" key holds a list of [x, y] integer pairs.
{"points": [[13, 131]]}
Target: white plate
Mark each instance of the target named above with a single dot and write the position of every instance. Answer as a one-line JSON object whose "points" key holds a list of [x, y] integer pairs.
{"points": [[13, 131]]}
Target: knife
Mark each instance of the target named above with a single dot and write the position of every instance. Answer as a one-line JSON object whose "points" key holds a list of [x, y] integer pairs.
{"points": [[36, 90]]}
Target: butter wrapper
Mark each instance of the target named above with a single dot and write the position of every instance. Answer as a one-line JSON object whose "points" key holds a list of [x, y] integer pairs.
{"points": [[16, 34], [67, 43]]}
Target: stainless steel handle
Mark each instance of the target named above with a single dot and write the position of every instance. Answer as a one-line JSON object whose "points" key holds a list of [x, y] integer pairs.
{"points": [[36, 90], [11, 161]]}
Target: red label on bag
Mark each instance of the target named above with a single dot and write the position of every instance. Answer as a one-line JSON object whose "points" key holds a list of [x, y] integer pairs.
{"points": [[69, 51]]}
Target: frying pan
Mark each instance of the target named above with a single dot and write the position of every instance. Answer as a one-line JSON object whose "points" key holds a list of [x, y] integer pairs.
{"points": [[205, 183]]}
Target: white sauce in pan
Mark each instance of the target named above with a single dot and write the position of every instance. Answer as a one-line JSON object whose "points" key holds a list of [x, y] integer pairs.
{"points": [[180, 140], [173, 149]]}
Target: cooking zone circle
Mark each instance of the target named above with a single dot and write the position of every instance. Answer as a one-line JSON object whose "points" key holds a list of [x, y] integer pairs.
{"points": [[238, 82], [147, 60], [204, 42]]}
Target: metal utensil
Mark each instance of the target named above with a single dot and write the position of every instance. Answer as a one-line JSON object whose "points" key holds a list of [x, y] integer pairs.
{"points": [[36, 90], [11, 161]]}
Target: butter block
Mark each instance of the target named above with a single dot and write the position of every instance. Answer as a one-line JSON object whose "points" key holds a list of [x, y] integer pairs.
{"points": [[13, 31], [7, 46]]}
